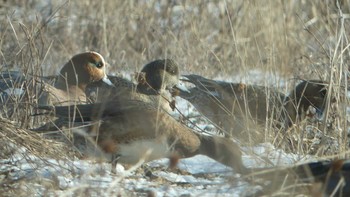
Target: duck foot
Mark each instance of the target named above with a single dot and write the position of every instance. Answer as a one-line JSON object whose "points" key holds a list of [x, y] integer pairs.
{"points": [[115, 158]]}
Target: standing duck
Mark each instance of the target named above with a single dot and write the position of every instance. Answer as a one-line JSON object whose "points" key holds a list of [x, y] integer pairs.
{"points": [[127, 131]]}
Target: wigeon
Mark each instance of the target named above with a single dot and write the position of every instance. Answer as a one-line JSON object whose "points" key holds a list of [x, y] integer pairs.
{"points": [[70, 87]]}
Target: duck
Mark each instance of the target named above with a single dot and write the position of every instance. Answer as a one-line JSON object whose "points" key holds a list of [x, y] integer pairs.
{"points": [[73, 79], [19, 92], [154, 84], [315, 178], [243, 110], [329, 174], [127, 131]]}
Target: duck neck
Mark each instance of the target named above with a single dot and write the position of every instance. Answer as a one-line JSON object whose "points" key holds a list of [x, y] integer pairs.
{"points": [[146, 89], [223, 150], [294, 109], [63, 84]]}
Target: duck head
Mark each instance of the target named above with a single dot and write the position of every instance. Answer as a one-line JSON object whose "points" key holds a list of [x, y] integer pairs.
{"points": [[308, 93], [82, 69], [161, 74]]}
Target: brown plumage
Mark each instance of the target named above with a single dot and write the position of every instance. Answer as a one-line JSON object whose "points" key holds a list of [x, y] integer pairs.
{"points": [[243, 111], [127, 130]]}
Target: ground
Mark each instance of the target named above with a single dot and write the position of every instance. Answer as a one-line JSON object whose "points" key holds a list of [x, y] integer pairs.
{"points": [[271, 43]]}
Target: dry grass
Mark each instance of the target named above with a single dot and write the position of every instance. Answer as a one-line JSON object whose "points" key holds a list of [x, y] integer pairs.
{"points": [[18, 145], [13, 138], [292, 39]]}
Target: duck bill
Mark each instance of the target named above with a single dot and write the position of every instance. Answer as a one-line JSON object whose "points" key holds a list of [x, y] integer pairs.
{"points": [[106, 80], [184, 78], [181, 87], [319, 113]]}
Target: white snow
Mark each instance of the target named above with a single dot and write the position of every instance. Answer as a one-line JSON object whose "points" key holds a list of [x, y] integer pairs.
{"points": [[205, 177]]}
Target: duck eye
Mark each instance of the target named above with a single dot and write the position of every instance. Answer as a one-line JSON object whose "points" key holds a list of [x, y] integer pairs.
{"points": [[98, 64], [170, 70]]}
